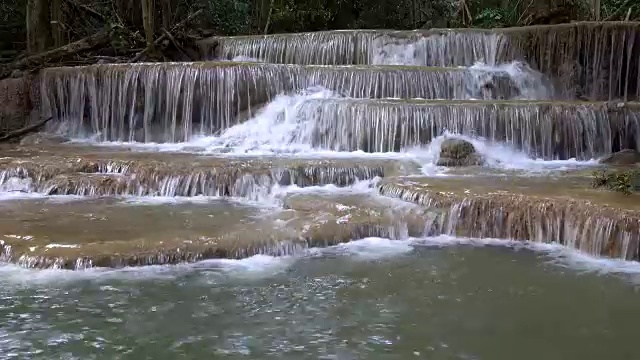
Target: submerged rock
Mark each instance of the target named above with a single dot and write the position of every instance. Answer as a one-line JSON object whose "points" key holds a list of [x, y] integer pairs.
{"points": [[458, 152], [622, 157], [43, 139]]}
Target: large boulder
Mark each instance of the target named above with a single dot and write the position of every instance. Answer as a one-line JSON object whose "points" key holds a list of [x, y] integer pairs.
{"points": [[458, 152], [622, 157]]}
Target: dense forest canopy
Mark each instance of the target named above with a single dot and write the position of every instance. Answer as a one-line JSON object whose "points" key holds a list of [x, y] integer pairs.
{"points": [[38, 25]]}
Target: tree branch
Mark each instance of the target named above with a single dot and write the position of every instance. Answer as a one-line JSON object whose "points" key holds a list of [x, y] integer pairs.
{"points": [[164, 35], [24, 131]]}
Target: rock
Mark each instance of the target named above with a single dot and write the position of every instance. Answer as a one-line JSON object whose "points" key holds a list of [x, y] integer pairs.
{"points": [[43, 139], [622, 157], [194, 149], [458, 152]]}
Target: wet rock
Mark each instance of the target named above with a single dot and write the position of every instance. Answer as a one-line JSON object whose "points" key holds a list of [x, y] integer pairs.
{"points": [[43, 139], [194, 149], [622, 157], [458, 152]]}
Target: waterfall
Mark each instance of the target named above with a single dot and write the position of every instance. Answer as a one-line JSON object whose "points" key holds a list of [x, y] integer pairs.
{"points": [[593, 60], [170, 102], [438, 47], [548, 129]]}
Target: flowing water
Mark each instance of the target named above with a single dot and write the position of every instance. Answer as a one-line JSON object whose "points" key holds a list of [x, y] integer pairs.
{"points": [[374, 299], [288, 204]]}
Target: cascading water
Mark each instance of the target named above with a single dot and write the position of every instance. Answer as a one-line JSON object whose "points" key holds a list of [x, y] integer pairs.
{"points": [[438, 47], [293, 196], [409, 93], [172, 102]]}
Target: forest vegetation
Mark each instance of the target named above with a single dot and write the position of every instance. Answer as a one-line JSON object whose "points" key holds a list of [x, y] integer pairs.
{"points": [[123, 28]]}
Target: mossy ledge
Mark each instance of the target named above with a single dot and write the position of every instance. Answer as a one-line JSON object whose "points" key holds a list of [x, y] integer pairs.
{"points": [[569, 212]]}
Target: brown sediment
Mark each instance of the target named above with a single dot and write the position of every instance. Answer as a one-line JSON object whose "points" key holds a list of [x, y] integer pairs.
{"points": [[18, 96], [105, 233], [564, 210], [163, 174]]}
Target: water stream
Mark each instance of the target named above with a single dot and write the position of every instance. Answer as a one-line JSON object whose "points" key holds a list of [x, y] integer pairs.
{"points": [[271, 159], [371, 299]]}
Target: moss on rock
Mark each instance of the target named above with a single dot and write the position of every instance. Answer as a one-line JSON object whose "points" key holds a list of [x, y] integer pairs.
{"points": [[458, 152]]}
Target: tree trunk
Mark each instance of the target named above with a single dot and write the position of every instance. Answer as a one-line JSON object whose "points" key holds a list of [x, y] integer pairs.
{"points": [[38, 34], [94, 40], [166, 13], [266, 26], [147, 20], [596, 10], [56, 23]]}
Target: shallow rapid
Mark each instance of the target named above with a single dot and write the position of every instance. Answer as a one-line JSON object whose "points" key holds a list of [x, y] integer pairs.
{"points": [[373, 299]]}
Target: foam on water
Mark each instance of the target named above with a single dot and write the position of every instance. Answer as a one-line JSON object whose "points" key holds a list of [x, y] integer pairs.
{"points": [[242, 58], [261, 266], [531, 84], [496, 155], [372, 248], [279, 129]]}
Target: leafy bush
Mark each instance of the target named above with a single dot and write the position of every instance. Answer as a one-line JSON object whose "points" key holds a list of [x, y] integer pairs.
{"points": [[625, 182]]}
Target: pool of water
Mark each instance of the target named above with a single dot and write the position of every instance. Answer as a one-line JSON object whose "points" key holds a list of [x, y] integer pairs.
{"points": [[370, 299]]}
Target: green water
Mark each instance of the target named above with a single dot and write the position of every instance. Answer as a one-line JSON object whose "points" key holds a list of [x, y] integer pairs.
{"points": [[373, 300]]}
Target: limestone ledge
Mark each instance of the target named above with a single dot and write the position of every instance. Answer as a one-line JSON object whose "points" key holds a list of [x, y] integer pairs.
{"points": [[104, 173], [104, 233], [564, 210]]}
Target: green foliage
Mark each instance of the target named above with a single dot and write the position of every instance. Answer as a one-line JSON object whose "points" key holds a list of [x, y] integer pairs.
{"points": [[12, 28], [230, 17], [618, 9], [496, 17], [297, 16], [234, 17], [625, 182]]}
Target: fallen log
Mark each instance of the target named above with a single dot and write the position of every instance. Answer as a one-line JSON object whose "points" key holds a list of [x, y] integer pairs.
{"points": [[24, 131], [162, 37], [73, 48], [175, 43]]}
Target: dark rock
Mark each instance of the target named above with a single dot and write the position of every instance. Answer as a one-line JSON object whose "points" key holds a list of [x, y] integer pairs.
{"points": [[194, 149], [458, 152], [43, 139], [622, 157], [471, 160]]}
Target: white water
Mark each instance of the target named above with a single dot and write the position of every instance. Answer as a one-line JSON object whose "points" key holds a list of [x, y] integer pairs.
{"points": [[531, 84], [261, 266], [496, 155], [280, 129]]}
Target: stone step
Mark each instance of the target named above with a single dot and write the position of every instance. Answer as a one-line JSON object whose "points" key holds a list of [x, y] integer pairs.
{"points": [[107, 232], [564, 210], [544, 129], [578, 55], [436, 47], [165, 174], [168, 102]]}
